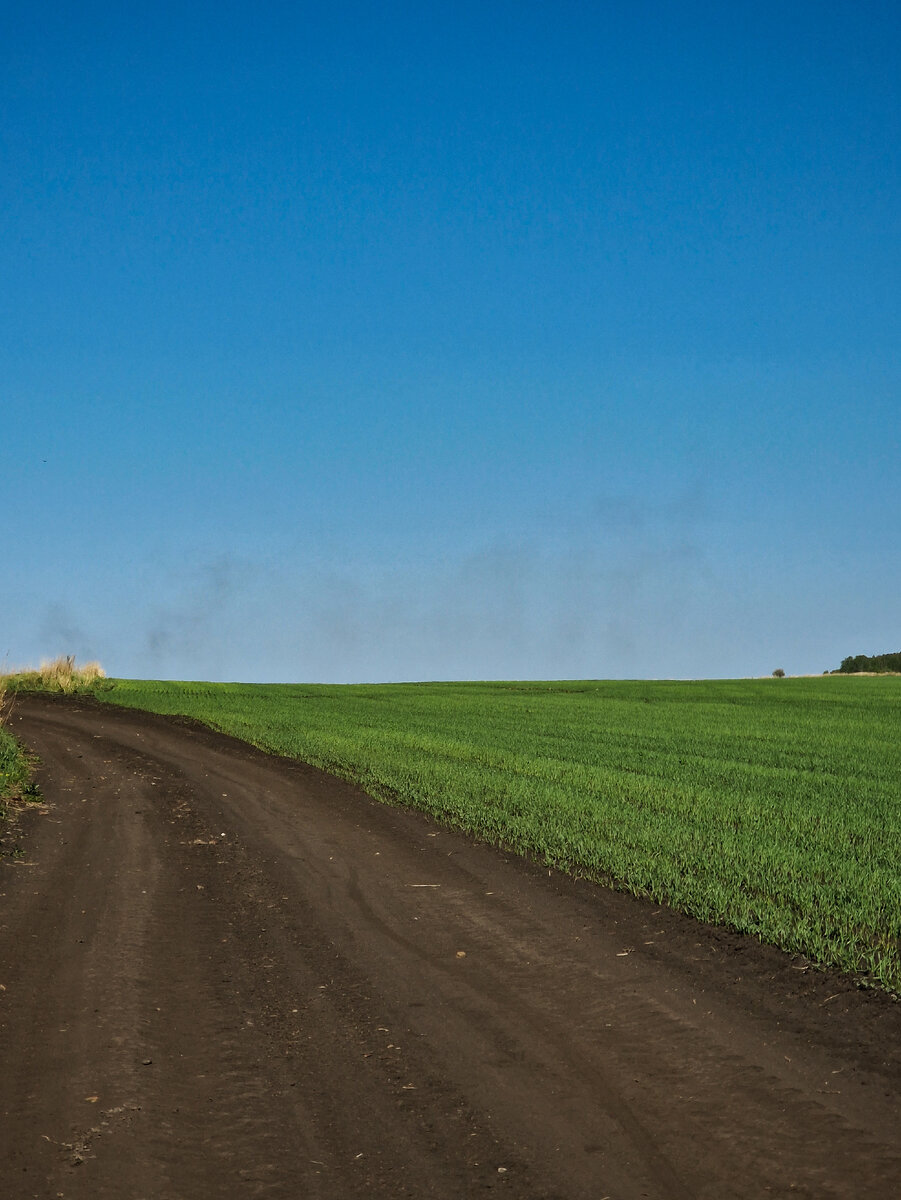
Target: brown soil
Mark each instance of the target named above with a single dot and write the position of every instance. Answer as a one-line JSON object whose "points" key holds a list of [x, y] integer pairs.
{"points": [[229, 975]]}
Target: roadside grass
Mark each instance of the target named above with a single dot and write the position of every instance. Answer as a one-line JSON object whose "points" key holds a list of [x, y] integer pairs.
{"points": [[770, 806], [16, 786], [59, 675]]}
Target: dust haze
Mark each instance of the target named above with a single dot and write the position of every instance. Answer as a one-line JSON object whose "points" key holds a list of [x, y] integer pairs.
{"points": [[595, 598]]}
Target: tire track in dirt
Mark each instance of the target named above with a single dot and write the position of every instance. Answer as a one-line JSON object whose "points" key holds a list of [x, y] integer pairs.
{"points": [[227, 974]]}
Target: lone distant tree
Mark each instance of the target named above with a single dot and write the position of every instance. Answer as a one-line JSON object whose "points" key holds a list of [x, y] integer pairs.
{"points": [[779, 673]]}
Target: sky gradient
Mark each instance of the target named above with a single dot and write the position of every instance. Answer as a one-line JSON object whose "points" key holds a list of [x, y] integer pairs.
{"points": [[388, 341]]}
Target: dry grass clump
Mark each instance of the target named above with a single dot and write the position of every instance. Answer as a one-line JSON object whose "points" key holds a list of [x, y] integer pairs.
{"points": [[62, 673], [59, 675]]}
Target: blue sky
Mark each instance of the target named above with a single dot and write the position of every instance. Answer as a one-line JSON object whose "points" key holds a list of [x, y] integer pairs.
{"points": [[393, 341]]}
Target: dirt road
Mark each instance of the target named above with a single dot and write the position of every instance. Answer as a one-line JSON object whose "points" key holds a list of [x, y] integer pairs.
{"points": [[227, 975]]}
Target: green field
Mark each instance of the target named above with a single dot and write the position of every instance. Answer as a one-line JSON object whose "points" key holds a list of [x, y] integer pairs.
{"points": [[773, 806]]}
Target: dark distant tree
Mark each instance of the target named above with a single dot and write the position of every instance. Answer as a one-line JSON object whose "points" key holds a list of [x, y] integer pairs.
{"points": [[879, 664], [779, 673]]}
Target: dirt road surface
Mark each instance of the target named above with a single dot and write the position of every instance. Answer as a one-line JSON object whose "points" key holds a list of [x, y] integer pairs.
{"points": [[228, 975]]}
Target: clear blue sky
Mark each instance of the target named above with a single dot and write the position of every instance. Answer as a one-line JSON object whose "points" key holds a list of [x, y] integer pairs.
{"points": [[377, 341]]}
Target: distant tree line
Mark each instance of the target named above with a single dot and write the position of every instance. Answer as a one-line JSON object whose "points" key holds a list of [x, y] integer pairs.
{"points": [[878, 663]]}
